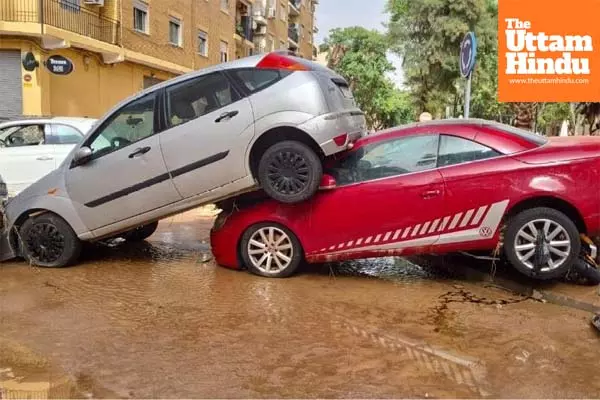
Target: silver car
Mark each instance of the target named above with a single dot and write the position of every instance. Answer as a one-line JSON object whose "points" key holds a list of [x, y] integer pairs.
{"points": [[266, 120]]}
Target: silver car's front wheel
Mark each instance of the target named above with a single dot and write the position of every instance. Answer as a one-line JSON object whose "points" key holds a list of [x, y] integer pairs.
{"points": [[542, 243], [271, 250]]}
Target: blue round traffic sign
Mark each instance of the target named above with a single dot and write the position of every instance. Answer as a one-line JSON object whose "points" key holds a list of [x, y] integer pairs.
{"points": [[468, 52]]}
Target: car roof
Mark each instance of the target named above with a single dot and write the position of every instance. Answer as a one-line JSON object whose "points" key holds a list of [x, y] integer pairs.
{"points": [[409, 129]]}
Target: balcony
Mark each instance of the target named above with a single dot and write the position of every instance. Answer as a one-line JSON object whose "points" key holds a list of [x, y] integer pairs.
{"points": [[294, 8], [244, 29], [293, 36], [259, 14], [62, 14]]}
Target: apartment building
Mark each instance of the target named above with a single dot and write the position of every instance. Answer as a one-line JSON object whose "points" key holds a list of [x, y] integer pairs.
{"points": [[81, 57]]}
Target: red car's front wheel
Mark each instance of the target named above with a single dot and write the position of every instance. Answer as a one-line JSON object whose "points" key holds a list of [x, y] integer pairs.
{"points": [[271, 250]]}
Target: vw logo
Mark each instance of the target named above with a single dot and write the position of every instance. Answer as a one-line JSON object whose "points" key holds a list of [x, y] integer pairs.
{"points": [[485, 231]]}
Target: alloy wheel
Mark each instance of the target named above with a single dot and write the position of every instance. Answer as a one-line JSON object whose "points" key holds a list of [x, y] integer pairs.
{"points": [[288, 173], [45, 243], [542, 245], [270, 250]]}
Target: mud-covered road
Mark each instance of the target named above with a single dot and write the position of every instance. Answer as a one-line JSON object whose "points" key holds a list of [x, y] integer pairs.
{"points": [[159, 319]]}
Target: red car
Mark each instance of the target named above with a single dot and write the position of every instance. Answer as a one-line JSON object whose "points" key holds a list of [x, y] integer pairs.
{"points": [[436, 187]]}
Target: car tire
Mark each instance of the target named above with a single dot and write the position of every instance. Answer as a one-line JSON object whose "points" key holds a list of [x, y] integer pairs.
{"points": [[47, 240], [271, 250], [290, 172], [529, 254], [141, 232]]}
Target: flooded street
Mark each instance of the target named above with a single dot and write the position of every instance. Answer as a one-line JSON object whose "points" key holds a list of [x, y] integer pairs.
{"points": [[159, 319]]}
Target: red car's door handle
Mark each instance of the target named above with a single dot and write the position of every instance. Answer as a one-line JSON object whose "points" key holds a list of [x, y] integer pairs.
{"points": [[431, 193]]}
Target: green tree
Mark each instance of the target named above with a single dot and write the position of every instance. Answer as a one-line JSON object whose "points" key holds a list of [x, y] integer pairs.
{"points": [[427, 35], [360, 56]]}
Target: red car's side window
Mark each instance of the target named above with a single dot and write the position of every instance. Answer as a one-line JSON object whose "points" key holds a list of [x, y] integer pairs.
{"points": [[456, 150], [386, 159]]}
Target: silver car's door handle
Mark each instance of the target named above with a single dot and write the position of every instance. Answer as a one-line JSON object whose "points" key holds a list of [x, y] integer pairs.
{"points": [[227, 115], [45, 158], [139, 151]]}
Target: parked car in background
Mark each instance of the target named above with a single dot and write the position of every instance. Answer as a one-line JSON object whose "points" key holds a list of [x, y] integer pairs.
{"points": [[3, 193], [31, 148], [435, 187], [264, 120]]}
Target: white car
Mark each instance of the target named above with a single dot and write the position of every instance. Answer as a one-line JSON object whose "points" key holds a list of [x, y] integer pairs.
{"points": [[31, 148]]}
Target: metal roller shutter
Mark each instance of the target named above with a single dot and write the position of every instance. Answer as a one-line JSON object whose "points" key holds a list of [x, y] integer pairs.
{"points": [[11, 92]]}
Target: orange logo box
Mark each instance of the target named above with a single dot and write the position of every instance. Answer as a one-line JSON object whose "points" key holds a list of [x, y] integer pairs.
{"points": [[548, 50]]}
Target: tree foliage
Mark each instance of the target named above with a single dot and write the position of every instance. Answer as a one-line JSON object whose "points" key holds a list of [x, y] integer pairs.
{"points": [[360, 56], [427, 35]]}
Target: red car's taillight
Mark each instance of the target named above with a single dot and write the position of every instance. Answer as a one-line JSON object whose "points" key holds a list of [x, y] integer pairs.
{"points": [[278, 61]]}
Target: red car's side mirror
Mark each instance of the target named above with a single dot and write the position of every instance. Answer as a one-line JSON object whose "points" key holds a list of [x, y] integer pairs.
{"points": [[327, 182]]}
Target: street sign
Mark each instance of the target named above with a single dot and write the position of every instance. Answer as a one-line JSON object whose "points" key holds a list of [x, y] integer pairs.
{"points": [[468, 53], [59, 65]]}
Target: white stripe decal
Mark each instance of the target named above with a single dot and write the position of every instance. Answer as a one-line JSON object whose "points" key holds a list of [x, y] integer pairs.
{"points": [[467, 218], [454, 221], [490, 217], [492, 220], [444, 223], [414, 232], [478, 215]]}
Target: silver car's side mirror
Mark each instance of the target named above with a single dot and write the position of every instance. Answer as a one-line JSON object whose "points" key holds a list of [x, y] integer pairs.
{"points": [[82, 156]]}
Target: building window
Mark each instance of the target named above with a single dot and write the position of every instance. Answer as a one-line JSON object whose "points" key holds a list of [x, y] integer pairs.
{"points": [[283, 12], [175, 31], [140, 17], [71, 5], [224, 51], [202, 43], [225, 5]]}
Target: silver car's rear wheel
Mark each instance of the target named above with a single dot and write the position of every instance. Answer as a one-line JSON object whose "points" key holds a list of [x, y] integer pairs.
{"points": [[290, 172], [271, 250], [542, 242]]}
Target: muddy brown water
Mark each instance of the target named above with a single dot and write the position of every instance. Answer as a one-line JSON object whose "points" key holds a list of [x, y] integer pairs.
{"points": [[159, 319]]}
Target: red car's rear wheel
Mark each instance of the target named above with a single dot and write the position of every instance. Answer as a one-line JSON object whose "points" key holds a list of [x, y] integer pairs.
{"points": [[542, 243], [271, 250]]}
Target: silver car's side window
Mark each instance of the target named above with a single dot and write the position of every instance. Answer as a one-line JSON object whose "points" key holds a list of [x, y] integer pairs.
{"points": [[133, 122], [196, 97]]}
